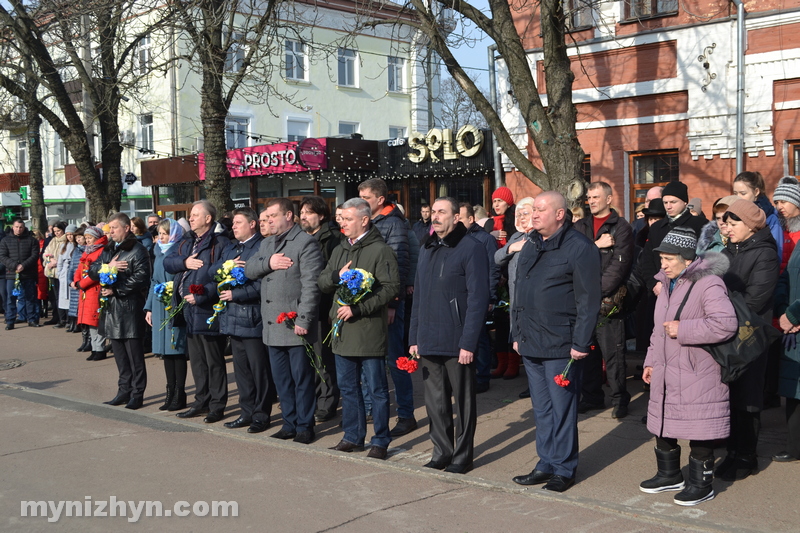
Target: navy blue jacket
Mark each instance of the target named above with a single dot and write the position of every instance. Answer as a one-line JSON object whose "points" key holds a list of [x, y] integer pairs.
{"points": [[242, 316], [209, 252], [394, 231], [490, 244], [557, 294], [451, 274]]}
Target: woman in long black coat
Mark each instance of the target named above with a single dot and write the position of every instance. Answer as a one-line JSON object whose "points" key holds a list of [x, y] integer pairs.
{"points": [[754, 271]]}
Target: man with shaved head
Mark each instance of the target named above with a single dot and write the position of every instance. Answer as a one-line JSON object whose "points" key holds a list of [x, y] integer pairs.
{"points": [[555, 307]]}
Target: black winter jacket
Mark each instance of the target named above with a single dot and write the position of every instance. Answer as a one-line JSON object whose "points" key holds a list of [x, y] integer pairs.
{"points": [[242, 316], [650, 261], [393, 229], [209, 251], [123, 314], [557, 294], [22, 250], [754, 270], [616, 261], [451, 276]]}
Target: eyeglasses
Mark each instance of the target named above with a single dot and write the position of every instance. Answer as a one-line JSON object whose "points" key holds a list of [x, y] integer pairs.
{"points": [[522, 214]]}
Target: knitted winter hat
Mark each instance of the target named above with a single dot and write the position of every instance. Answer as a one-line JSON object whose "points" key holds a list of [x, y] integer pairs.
{"points": [[682, 241], [788, 190], [676, 189], [749, 213], [727, 201], [94, 231], [505, 194], [72, 228]]}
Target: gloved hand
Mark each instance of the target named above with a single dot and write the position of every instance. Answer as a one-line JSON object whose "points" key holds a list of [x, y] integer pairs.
{"points": [[790, 341]]}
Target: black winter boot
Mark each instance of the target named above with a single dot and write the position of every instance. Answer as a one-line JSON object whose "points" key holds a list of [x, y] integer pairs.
{"points": [[699, 489], [669, 475], [178, 400], [86, 346], [168, 399]]}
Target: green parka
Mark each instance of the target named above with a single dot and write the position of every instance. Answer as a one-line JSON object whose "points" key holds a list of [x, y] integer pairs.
{"points": [[364, 335]]}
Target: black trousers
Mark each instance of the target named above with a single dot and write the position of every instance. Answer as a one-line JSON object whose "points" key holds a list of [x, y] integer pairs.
{"points": [[129, 356], [327, 388], [702, 450], [610, 339], [208, 370], [445, 377], [253, 378], [793, 427]]}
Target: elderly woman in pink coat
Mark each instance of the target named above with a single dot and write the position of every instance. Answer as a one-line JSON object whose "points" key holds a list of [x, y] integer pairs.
{"points": [[687, 397]]}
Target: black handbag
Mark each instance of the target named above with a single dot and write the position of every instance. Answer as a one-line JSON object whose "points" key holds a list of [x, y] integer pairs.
{"points": [[752, 338]]}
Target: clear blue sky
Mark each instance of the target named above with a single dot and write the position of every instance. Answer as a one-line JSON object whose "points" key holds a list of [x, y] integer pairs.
{"points": [[471, 54]]}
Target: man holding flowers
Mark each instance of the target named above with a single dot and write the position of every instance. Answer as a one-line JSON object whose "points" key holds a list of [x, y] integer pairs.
{"points": [[554, 313], [453, 274], [288, 263], [241, 320], [360, 340], [122, 316], [191, 260]]}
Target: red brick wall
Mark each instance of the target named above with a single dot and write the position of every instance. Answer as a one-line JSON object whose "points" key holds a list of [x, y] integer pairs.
{"points": [[12, 181]]}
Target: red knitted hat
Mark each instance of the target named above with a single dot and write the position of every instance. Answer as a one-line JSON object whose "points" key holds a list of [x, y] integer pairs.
{"points": [[505, 194]]}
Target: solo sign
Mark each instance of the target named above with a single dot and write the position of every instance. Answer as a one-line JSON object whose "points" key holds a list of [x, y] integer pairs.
{"points": [[436, 140]]}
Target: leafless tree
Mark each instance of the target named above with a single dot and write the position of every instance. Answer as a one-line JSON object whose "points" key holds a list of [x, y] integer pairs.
{"points": [[457, 108]]}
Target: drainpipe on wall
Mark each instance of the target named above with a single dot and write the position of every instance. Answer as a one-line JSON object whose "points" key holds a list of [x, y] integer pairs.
{"points": [[741, 34], [498, 164]]}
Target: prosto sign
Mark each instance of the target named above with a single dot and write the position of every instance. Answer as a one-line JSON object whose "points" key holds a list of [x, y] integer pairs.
{"points": [[439, 144]]}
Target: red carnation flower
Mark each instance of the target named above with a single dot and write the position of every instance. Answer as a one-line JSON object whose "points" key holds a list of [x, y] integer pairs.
{"points": [[197, 289], [408, 364], [291, 315], [281, 318]]}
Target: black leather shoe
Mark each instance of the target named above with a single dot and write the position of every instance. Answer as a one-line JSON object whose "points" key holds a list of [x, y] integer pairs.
{"points": [[559, 483], [9, 326], [119, 399], [619, 411], [238, 423], [284, 435], [214, 416], [347, 447], [438, 465], [458, 469], [324, 415], [784, 457], [305, 437], [258, 426], [404, 426], [537, 477], [60, 325], [33, 325], [193, 412], [585, 407], [378, 452], [525, 394], [134, 403], [480, 388], [19, 321]]}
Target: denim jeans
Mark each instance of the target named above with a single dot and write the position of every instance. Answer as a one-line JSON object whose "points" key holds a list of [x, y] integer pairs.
{"points": [[28, 296], [354, 417]]}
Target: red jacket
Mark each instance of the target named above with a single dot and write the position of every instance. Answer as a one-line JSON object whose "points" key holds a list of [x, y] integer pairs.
{"points": [[89, 299]]}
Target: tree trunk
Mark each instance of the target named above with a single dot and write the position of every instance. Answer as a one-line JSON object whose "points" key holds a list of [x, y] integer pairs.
{"points": [[35, 170]]}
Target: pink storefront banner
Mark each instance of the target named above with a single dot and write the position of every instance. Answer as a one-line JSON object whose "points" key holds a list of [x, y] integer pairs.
{"points": [[308, 154]]}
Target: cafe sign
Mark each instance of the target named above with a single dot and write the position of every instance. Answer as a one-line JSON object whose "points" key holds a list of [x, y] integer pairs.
{"points": [[439, 144]]}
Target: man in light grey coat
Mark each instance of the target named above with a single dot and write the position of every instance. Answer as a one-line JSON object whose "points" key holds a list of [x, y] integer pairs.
{"points": [[288, 263]]}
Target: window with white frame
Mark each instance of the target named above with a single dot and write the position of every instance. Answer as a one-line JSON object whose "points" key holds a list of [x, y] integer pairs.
{"points": [[237, 132], [22, 155], [397, 71], [295, 60], [234, 59], [348, 67], [578, 13], [60, 152], [397, 132], [297, 129], [146, 144], [348, 128], [144, 55]]}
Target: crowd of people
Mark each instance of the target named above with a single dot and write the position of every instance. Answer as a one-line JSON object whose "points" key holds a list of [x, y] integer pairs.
{"points": [[315, 307]]}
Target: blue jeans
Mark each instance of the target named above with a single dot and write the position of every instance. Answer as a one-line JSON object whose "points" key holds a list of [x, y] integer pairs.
{"points": [[403, 386], [28, 296], [556, 411], [354, 417]]}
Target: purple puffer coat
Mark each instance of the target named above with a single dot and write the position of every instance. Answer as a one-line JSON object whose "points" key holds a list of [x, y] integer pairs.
{"points": [[687, 397]]}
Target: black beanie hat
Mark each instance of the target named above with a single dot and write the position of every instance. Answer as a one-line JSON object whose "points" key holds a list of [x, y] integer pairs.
{"points": [[676, 189]]}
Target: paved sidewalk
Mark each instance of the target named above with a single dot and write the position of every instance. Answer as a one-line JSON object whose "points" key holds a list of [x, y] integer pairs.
{"points": [[615, 456]]}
